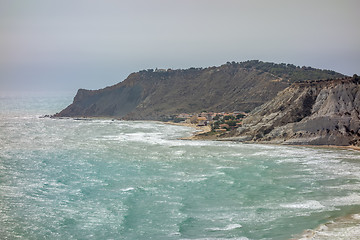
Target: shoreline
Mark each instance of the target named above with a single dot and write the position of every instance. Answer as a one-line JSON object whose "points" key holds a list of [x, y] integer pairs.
{"points": [[200, 130], [345, 227], [199, 136], [194, 135]]}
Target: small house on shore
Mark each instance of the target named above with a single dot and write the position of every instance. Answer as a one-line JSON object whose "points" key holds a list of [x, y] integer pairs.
{"points": [[224, 126], [202, 121]]}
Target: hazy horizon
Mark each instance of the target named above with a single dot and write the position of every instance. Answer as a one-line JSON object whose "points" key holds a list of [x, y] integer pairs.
{"points": [[65, 45]]}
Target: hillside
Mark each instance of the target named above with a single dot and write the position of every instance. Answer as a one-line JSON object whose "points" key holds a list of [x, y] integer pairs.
{"points": [[159, 94], [311, 112]]}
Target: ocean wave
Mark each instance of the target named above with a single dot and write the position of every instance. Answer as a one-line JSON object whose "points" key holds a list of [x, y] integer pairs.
{"points": [[127, 189], [310, 204], [226, 228], [113, 173], [352, 199]]}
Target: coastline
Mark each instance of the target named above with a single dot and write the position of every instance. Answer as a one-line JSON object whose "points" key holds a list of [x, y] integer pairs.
{"points": [[346, 227], [201, 130], [199, 135], [195, 135]]}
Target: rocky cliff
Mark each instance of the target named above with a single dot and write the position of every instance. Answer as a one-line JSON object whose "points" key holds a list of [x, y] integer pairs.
{"points": [[158, 94], [312, 112]]}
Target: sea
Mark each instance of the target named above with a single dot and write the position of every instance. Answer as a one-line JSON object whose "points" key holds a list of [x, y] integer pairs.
{"points": [[111, 179]]}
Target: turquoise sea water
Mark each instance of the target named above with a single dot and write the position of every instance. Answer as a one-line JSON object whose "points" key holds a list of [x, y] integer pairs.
{"points": [[103, 179]]}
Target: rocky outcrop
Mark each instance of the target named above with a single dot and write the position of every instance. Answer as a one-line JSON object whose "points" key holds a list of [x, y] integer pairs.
{"points": [[312, 112], [158, 94], [114, 101]]}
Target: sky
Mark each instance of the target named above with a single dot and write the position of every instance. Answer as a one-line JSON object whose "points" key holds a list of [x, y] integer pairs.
{"points": [[63, 45]]}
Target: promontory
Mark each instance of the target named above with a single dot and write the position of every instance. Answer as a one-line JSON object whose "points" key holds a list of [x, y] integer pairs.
{"points": [[288, 104], [162, 93]]}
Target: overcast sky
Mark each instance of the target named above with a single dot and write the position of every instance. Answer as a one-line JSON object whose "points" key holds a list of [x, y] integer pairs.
{"points": [[63, 45]]}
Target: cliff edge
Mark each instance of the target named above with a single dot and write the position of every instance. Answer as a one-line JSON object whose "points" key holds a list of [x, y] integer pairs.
{"points": [[308, 113], [162, 93]]}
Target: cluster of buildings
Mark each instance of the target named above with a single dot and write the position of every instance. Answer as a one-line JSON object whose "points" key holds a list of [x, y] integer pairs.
{"points": [[221, 121]]}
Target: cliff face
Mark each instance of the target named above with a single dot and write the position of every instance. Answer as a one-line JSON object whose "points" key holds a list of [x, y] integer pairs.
{"points": [[116, 101], [313, 112], [156, 95]]}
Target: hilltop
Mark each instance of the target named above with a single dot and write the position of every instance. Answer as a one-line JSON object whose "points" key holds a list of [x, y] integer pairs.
{"points": [[160, 94]]}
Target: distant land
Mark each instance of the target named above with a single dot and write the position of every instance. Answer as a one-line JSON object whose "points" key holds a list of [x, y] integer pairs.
{"points": [[288, 104], [161, 94]]}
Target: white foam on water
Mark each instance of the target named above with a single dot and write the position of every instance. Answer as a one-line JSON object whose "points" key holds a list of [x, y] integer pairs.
{"points": [[226, 167], [352, 199], [287, 160], [93, 143], [310, 204], [195, 179], [127, 189], [226, 228], [233, 238], [345, 187]]}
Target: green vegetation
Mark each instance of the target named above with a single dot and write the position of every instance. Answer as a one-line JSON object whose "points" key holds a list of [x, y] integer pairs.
{"points": [[226, 118], [217, 117], [229, 122], [177, 120], [215, 125], [239, 116], [232, 123], [356, 77], [289, 71]]}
